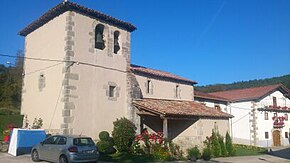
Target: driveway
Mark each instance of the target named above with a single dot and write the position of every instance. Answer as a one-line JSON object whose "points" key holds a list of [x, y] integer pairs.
{"points": [[7, 158]]}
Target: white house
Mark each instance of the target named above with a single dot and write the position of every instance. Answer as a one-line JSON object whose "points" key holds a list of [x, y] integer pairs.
{"points": [[260, 115]]}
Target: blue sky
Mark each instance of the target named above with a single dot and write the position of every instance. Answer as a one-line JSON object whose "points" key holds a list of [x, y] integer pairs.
{"points": [[210, 41]]}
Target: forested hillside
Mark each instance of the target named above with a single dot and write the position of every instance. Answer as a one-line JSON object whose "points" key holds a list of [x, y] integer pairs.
{"points": [[10, 86], [285, 80]]}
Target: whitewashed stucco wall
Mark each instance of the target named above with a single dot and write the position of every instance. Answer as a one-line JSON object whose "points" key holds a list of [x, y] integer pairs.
{"points": [[267, 125], [165, 89], [241, 124], [94, 110], [46, 42]]}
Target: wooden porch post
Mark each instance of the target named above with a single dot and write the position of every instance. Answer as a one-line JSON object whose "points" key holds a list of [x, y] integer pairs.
{"points": [[165, 128], [141, 124]]}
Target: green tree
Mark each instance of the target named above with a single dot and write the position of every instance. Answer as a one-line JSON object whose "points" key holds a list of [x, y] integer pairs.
{"points": [[216, 147], [222, 144], [123, 134], [229, 145], [11, 85]]}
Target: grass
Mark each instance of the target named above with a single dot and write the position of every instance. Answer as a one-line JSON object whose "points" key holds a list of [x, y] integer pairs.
{"points": [[247, 150], [126, 158]]}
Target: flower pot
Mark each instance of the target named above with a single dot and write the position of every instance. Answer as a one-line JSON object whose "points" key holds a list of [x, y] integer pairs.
{"points": [[6, 138]]}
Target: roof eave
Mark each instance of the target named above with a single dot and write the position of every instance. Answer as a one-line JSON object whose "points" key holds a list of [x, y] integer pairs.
{"points": [[69, 6]]}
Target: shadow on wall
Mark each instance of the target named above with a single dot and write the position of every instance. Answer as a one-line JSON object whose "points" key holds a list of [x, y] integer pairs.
{"points": [[175, 127]]}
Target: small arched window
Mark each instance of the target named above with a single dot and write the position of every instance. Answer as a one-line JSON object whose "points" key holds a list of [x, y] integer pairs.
{"points": [[116, 42], [99, 37]]}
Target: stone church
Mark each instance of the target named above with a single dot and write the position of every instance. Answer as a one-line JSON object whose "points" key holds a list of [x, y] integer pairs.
{"points": [[79, 79]]}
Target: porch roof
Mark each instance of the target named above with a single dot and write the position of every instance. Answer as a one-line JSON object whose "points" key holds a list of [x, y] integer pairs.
{"points": [[178, 108]]}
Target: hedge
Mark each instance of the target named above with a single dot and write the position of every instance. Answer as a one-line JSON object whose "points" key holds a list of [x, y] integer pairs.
{"points": [[5, 120]]}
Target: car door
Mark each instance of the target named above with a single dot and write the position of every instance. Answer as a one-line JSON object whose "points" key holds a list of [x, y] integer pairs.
{"points": [[46, 148], [58, 148]]}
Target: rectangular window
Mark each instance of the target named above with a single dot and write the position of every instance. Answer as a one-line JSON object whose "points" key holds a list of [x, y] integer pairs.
{"points": [[217, 107], [274, 101], [286, 117], [177, 91], [149, 87], [286, 135], [41, 82], [266, 135], [275, 114], [266, 116], [112, 91]]}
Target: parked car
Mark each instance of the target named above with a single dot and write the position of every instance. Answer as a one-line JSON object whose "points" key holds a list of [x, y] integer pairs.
{"points": [[64, 148]]}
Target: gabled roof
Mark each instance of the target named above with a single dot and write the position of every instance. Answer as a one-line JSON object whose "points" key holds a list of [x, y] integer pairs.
{"points": [[70, 6], [157, 73], [203, 95], [248, 94], [178, 108]]}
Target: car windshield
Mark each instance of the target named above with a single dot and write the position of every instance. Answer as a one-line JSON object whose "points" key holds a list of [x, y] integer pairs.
{"points": [[83, 141]]}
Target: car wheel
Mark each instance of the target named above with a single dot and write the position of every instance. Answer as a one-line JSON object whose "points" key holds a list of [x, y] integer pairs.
{"points": [[63, 159], [35, 156]]}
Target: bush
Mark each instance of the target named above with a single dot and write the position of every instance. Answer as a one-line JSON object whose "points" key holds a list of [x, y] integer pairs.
{"points": [[160, 153], [229, 145], [193, 153], [104, 136], [222, 144], [106, 147], [216, 147], [156, 145], [106, 143], [206, 155], [175, 151], [123, 134], [9, 119], [37, 123]]}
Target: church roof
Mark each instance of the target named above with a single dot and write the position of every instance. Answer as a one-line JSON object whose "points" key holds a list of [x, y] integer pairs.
{"points": [[202, 95], [247, 94], [70, 6], [178, 108], [161, 74]]}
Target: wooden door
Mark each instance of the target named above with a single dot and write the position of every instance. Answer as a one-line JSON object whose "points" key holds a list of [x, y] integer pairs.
{"points": [[276, 138]]}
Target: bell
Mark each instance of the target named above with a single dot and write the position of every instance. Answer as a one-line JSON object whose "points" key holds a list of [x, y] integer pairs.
{"points": [[99, 41]]}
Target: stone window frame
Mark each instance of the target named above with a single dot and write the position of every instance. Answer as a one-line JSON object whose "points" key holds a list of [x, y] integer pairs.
{"points": [[116, 91], [149, 86], [41, 81]]}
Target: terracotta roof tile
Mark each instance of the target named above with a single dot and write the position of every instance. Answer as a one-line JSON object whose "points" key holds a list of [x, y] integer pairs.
{"points": [[158, 73], [249, 93], [70, 6], [178, 108], [209, 96]]}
